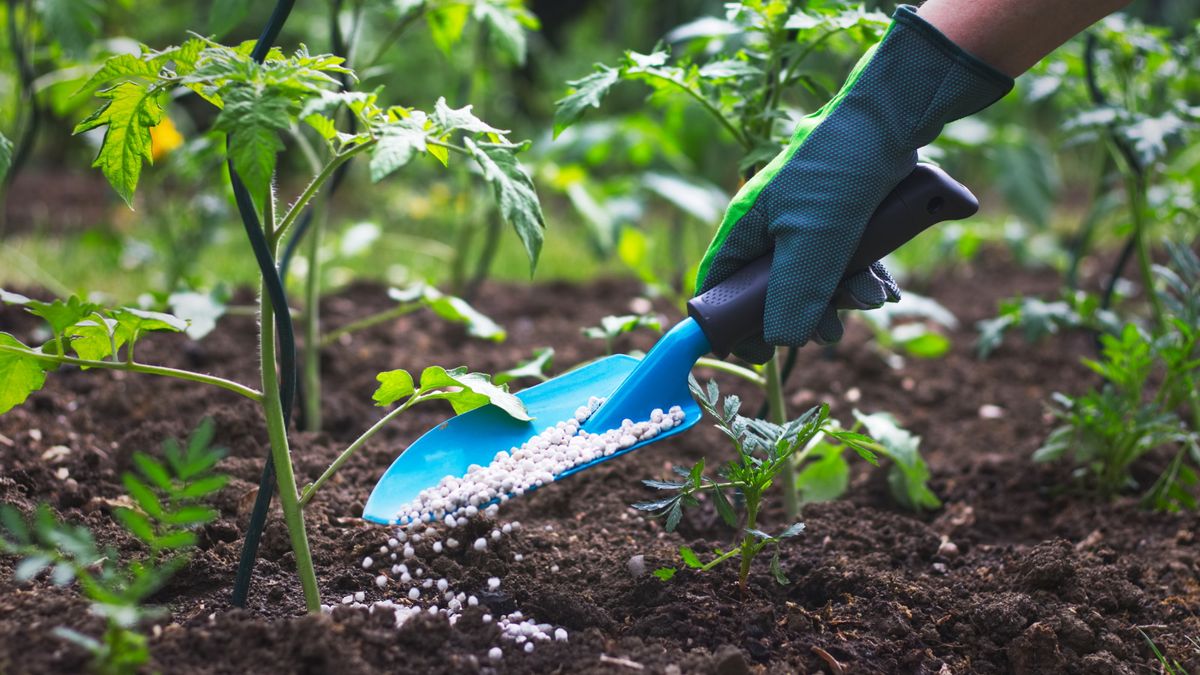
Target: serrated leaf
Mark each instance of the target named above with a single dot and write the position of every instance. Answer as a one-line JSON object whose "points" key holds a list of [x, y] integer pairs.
{"points": [[203, 487], [448, 119], [322, 124], [793, 530], [396, 146], [190, 515], [142, 495], [61, 314], [14, 523], [93, 339], [132, 108], [909, 476], [663, 484], [586, 92], [690, 558], [674, 515], [20, 375], [825, 478], [665, 573], [514, 193], [759, 533], [656, 505], [467, 391], [457, 310], [393, 386], [253, 120], [176, 540], [446, 25]]}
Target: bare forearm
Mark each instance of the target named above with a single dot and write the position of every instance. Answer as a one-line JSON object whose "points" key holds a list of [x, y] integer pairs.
{"points": [[1012, 35]]}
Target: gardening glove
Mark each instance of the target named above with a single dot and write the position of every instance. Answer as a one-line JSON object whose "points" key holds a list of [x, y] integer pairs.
{"points": [[812, 201]]}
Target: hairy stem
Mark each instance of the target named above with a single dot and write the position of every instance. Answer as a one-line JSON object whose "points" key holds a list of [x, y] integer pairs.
{"points": [[281, 456], [313, 187], [312, 330], [134, 367]]}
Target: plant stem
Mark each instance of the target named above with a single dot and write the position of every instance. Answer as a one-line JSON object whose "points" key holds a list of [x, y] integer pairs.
{"points": [[311, 189], [738, 136], [368, 321], [720, 559], [312, 488], [733, 369], [747, 547], [777, 414], [163, 371], [312, 330], [1135, 185], [282, 458]]}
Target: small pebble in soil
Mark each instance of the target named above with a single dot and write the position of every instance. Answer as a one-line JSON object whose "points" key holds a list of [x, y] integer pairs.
{"points": [[367, 562], [414, 593], [442, 585], [452, 543], [554, 568], [560, 634], [480, 544], [437, 547], [493, 583], [636, 565], [381, 581], [486, 618], [495, 654], [528, 647], [360, 596]]}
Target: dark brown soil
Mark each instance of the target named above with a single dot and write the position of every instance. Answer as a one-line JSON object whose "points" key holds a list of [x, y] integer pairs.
{"points": [[1043, 580]]}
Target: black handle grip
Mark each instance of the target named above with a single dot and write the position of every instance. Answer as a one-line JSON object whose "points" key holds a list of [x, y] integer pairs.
{"points": [[732, 310]]}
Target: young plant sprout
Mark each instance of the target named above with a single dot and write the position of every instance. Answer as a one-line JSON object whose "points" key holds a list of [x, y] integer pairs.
{"points": [[764, 451], [168, 506]]}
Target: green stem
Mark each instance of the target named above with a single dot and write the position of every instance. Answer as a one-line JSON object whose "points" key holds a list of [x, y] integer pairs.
{"points": [[293, 515], [312, 488], [732, 369], [311, 189], [777, 414], [312, 329], [720, 559], [366, 322], [747, 547], [707, 105], [188, 375], [1137, 211]]}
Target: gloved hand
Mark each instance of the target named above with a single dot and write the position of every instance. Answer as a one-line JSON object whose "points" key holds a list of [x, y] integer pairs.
{"points": [[812, 201]]}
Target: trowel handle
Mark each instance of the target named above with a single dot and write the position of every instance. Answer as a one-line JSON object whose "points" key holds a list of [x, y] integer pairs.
{"points": [[732, 310]]}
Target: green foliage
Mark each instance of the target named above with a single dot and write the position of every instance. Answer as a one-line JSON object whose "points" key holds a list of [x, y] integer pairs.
{"points": [[1149, 379], [168, 506], [6, 155], [450, 308], [465, 391], [1038, 319], [912, 326], [764, 452], [93, 332], [613, 327], [536, 368]]}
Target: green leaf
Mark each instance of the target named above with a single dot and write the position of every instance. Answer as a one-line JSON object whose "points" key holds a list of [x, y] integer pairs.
{"points": [[132, 108], [513, 190], [203, 488], [826, 478], [674, 515], [252, 120], [777, 570], [190, 515], [177, 540], [14, 523], [724, 508], [225, 15], [93, 339], [793, 530], [137, 321], [397, 144], [657, 504], [446, 24], [137, 523], [663, 484], [535, 368], [143, 495], [690, 558], [20, 375], [31, 567], [467, 391], [920, 341], [448, 119], [586, 92], [506, 22], [665, 573], [61, 314], [393, 386], [152, 469], [909, 476], [457, 310], [74, 24], [6, 155], [759, 534]]}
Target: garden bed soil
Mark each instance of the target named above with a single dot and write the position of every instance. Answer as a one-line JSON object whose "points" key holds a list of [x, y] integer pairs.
{"points": [[1035, 578]]}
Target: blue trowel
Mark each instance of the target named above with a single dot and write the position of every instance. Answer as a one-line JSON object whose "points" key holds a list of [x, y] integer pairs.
{"points": [[718, 320]]}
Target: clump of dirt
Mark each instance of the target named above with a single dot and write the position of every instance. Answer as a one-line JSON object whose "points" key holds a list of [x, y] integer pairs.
{"points": [[1014, 573]]}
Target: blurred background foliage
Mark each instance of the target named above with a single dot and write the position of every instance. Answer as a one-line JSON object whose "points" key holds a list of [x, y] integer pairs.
{"points": [[635, 188]]}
